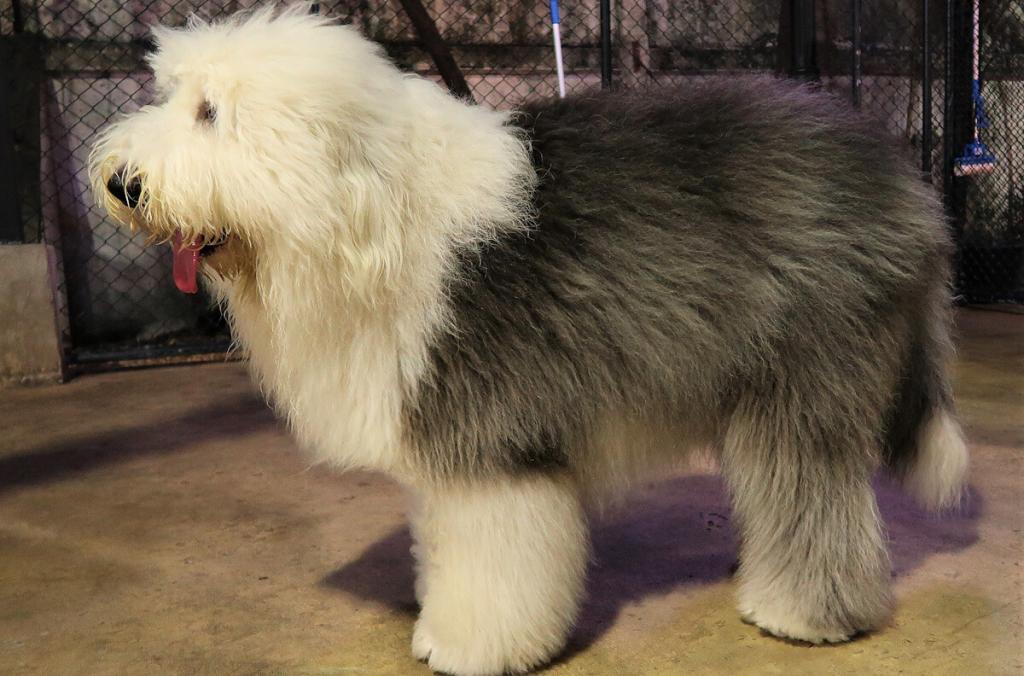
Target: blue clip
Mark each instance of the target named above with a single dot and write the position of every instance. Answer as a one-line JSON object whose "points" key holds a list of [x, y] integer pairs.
{"points": [[980, 118]]}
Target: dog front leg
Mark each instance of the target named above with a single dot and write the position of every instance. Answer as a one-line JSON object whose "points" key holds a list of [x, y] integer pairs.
{"points": [[501, 567]]}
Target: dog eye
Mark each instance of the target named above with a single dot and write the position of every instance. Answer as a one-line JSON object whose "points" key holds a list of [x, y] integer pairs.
{"points": [[207, 113]]}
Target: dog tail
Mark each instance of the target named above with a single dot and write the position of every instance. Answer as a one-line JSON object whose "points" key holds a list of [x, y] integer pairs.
{"points": [[925, 446]]}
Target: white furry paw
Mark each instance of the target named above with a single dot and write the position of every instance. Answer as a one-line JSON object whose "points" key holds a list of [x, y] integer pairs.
{"points": [[422, 643], [470, 656], [794, 629]]}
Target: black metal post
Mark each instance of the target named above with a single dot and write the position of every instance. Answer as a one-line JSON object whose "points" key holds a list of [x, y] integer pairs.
{"points": [[926, 91], [805, 64], [433, 44], [957, 108], [958, 116], [17, 19], [856, 48], [11, 229], [606, 44], [947, 107]]}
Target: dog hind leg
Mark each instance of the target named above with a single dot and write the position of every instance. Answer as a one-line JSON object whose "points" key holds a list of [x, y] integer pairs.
{"points": [[813, 565]]}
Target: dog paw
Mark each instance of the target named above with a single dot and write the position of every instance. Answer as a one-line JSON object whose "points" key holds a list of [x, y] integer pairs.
{"points": [[471, 655], [422, 643], [795, 629], [447, 659]]}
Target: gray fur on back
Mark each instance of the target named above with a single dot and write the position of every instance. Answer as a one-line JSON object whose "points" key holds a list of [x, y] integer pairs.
{"points": [[737, 245]]}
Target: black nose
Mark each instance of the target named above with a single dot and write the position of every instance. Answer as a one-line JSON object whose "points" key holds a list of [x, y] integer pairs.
{"points": [[128, 194]]}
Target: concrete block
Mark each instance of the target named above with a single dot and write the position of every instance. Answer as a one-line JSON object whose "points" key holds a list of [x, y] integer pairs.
{"points": [[30, 349]]}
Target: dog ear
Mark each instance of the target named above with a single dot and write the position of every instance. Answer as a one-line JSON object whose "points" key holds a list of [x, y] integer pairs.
{"points": [[373, 250], [371, 269]]}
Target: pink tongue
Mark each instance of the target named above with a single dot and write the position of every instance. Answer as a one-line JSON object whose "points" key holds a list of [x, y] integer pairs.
{"points": [[186, 264]]}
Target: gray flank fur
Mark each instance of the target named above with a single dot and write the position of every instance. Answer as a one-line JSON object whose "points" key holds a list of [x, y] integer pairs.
{"points": [[737, 247]]}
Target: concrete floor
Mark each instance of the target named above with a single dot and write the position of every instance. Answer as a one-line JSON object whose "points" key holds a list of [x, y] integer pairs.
{"points": [[162, 522]]}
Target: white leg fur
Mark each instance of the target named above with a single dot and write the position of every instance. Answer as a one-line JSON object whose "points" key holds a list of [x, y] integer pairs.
{"points": [[937, 477], [501, 569]]}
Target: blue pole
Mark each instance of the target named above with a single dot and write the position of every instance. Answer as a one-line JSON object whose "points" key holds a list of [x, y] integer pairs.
{"points": [[556, 36]]}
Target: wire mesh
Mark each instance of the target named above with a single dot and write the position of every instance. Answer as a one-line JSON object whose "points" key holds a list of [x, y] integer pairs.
{"points": [[992, 236], [892, 86], [663, 42], [78, 64]]}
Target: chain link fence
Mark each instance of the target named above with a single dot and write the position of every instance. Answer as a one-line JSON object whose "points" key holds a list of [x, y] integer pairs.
{"points": [[75, 65], [991, 206]]}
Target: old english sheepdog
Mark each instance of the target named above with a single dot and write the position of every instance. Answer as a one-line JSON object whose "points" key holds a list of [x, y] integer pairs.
{"points": [[512, 313]]}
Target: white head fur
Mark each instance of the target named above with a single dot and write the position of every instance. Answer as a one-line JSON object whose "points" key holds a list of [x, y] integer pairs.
{"points": [[349, 184]]}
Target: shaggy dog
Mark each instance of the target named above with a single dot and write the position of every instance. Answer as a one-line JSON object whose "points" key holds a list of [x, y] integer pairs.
{"points": [[513, 313]]}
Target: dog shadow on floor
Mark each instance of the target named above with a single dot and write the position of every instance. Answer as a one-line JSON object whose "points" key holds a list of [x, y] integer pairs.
{"points": [[77, 455], [668, 535]]}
